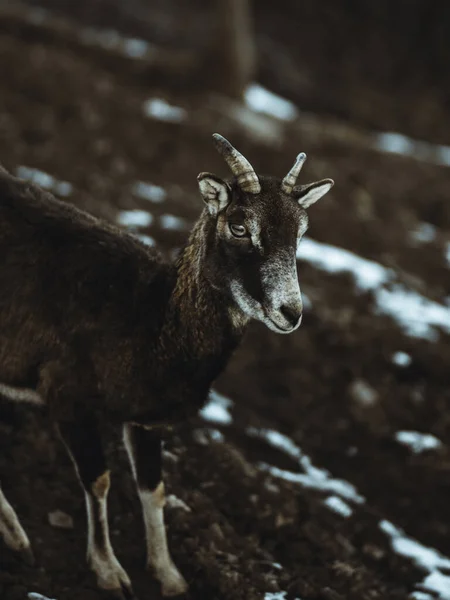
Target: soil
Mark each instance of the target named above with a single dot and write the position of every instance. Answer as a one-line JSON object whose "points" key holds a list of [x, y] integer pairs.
{"points": [[382, 65], [75, 112]]}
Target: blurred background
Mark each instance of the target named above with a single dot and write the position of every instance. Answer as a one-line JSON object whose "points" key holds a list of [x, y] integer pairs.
{"points": [[320, 469]]}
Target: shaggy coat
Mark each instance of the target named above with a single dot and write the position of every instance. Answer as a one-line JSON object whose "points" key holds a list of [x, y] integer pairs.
{"points": [[99, 328], [142, 339]]}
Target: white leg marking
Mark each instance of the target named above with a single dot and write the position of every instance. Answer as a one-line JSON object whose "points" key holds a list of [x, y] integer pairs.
{"points": [[158, 557], [10, 528], [109, 572], [20, 394]]}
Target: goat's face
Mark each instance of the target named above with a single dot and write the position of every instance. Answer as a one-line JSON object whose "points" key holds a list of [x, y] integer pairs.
{"points": [[253, 241]]}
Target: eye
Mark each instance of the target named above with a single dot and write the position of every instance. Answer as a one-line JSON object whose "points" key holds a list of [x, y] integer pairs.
{"points": [[238, 230]]}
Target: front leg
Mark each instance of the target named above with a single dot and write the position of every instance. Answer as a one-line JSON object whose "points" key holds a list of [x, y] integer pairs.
{"points": [[82, 440], [144, 451]]}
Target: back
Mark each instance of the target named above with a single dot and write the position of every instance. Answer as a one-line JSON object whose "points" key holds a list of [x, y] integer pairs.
{"points": [[64, 272]]}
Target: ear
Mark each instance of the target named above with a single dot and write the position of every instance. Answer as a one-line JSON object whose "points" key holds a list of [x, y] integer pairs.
{"points": [[310, 193], [215, 192]]}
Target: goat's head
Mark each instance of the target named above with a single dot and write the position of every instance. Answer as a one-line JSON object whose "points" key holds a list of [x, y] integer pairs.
{"points": [[256, 224]]}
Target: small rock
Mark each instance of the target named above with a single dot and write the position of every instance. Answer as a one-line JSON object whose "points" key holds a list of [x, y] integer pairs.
{"points": [[363, 393], [330, 594], [239, 459], [374, 551], [60, 519], [366, 407], [173, 502], [418, 395], [281, 520], [343, 568], [271, 487], [217, 532], [204, 436], [346, 545], [363, 203], [227, 557], [170, 456]]}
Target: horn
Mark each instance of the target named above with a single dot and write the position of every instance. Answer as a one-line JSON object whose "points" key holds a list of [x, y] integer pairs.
{"points": [[287, 185], [239, 165]]}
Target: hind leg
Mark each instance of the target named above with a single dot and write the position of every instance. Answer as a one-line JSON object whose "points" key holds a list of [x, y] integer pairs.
{"points": [[82, 440], [12, 531], [144, 451]]}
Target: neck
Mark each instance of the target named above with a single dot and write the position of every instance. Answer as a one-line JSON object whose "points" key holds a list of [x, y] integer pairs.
{"points": [[206, 318]]}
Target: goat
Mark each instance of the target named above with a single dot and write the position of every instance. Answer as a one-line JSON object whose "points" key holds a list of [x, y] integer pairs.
{"points": [[97, 327]]}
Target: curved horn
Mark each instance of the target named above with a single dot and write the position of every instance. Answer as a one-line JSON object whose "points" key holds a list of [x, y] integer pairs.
{"points": [[287, 185], [239, 165]]}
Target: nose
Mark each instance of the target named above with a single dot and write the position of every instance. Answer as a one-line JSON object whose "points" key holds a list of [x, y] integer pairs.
{"points": [[292, 314]]}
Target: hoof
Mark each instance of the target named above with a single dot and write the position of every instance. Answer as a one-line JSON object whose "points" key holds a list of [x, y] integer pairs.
{"points": [[174, 586], [111, 577], [171, 580], [125, 592]]}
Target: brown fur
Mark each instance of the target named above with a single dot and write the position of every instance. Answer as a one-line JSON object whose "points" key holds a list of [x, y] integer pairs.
{"points": [[104, 330]]}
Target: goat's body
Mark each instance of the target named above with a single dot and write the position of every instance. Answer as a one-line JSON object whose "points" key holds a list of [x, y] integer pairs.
{"points": [[83, 298], [99, 327]]}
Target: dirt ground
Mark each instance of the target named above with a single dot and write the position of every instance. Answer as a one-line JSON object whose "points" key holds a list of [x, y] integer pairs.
{"points": [[75, 111]]}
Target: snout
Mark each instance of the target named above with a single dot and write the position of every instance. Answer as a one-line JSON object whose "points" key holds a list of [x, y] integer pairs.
{"points": [[292, 314], [286, 318]]}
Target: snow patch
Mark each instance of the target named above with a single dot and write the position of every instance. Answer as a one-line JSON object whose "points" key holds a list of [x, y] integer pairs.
{"points": [[173, 223], [277, 596], [135, 48], [313, 477], [217, 410], [424, 233], [401, 359], [262, 100], [422, 596], [429, 559], [397, 143], [338, 506], [206, 435], [146, 239], [46, 181], [160, 109], [415, 314], [110, 39], [367, 274], [149, 191], [417, 442], [135, 218]]}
